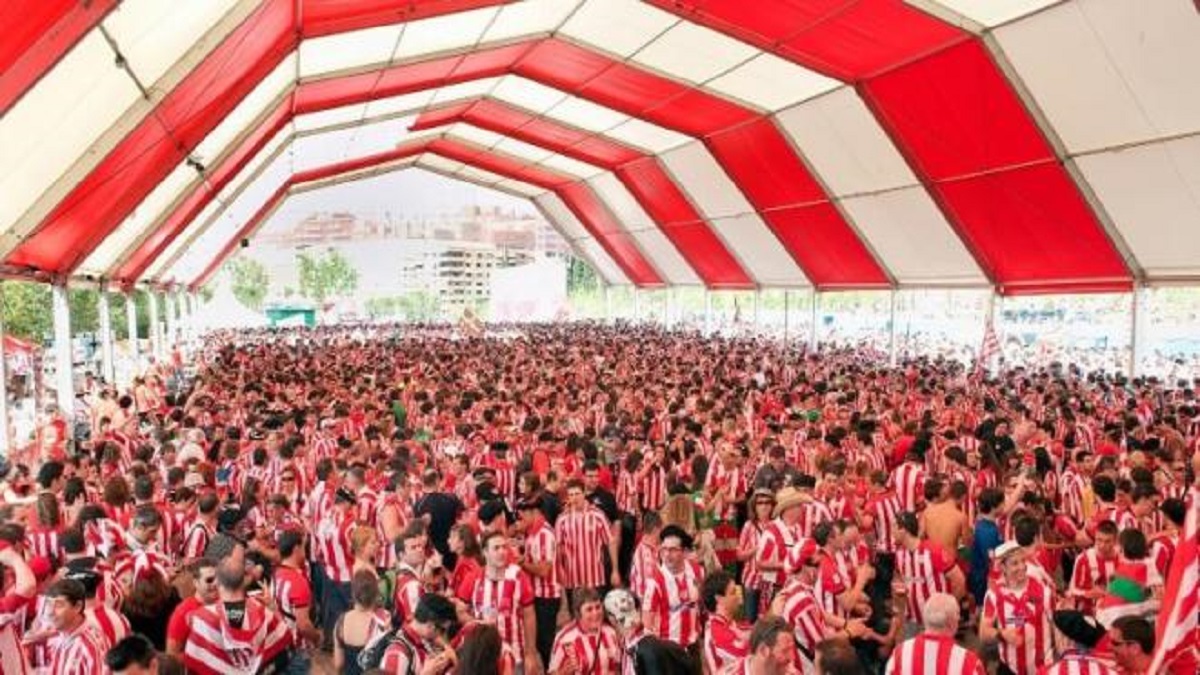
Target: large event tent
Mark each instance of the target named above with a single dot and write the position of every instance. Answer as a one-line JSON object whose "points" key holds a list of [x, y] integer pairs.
{"points": [[1030, 146]]}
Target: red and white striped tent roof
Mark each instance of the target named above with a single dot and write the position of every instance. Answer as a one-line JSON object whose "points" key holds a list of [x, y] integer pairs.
{"points": [[1031, 145]]}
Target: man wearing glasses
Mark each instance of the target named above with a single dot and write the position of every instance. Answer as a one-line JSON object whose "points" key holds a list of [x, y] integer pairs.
{"points": [[670, 608]]}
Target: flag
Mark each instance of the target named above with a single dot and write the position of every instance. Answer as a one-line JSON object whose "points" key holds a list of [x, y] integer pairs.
{"points": [[990, 346], [1177, 617]]}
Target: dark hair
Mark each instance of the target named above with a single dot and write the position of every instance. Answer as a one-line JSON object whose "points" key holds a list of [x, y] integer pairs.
{"points": [[364, 589], [1143, 491], [1105, 488], [1025, 530], [48, 473], [480, 652], [134, 650], [149, 596], [837, 657], [438, 611], [69, 589], [990, 499], [289, 540], [1138, 630], [907, 521], [766, 632], [582, 597], [1107, 527], [714, 586], [822, 532], [1175, 510], [933, 489], [1133, 543]]}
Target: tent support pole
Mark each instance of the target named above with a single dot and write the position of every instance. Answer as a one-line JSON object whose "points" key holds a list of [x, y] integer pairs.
{"points": [[106, 338], [892, 328], [64, 356], [757, 309], [608, 315], [155, 332], [1137, 328], [813, 333], [132, 323]]}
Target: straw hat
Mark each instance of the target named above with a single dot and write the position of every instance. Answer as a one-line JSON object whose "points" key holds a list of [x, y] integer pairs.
{"points": [[786, 499]]}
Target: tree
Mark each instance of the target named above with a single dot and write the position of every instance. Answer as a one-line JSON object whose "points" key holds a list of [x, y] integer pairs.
{"points": [[330, 275], [27, 311], [85, 310], [250, 281], [580, 276]]}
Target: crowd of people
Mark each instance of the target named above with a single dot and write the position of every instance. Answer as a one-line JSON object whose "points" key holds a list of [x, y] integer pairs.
{"points": [[590, 500]]}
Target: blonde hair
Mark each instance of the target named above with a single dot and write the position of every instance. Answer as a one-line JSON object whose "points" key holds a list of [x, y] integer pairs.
{"points": [[359, 538], [680, 511]]}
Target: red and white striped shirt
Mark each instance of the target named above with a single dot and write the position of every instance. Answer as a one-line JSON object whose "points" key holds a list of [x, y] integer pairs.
{"points": [[724, 642], [80, 652], [812, 514], [883, 509], [407, 654], [908, 480], [924, 571], [540, 547], [292, 592], [1075, 663], [582, 536], [1070, 489], [42, 542], [1030, 612], [751, 533], [407, 593], [779, 546], [1092, 571], [502, 601], [831, 582], [333, 538], [929, 654], [387, 558], [199, 533], [801, 612], [111, 625], [215, 647], [368, 507], [645, 559], [674, 599], [597, 653], [653, 490], [733, 482]]}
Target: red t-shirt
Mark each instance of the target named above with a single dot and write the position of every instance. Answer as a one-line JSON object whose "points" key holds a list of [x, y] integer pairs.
{"points": [[177, 627]]}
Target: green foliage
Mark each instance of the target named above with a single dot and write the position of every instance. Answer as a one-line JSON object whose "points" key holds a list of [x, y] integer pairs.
{"points": [[206, 294], [330, 275], [580, 276], [85, 310], [27, 309], [250, 281], [415, 306]]}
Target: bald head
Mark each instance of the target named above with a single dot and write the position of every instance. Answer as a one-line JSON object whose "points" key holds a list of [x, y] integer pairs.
{"points": [[941, 613]]}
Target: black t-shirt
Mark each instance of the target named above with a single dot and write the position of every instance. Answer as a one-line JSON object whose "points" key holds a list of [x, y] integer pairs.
{"points": [[606, 502], [443, 510]]}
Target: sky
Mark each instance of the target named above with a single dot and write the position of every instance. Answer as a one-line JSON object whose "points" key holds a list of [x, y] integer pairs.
{"points": [[404, 193]]}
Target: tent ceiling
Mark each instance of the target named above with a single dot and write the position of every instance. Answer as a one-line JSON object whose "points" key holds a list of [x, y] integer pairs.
{"points": [[859, 144]]}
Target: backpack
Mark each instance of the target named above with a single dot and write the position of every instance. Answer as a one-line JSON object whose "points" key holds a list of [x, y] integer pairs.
{"points": [[371, 656]]}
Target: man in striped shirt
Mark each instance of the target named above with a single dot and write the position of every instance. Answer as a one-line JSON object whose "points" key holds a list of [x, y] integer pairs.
{"points": [[1017, 613], [725, 641], [934, 651], [582, 534], [1094, 568], [503, 596], [670, 607], [540, 563], [926, 568], [908, 480], [587, 645], [78, 648], [332, 539]]}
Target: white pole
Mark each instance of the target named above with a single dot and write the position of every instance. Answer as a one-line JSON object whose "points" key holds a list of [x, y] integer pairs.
{"points": [[666, 314], [637, 305], [155, 333], [813, 334], [64, 356], [608, 315], [5, 440], [1137, 327], [107, 371], [757, 309], [132, 323], [892, 330]]}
